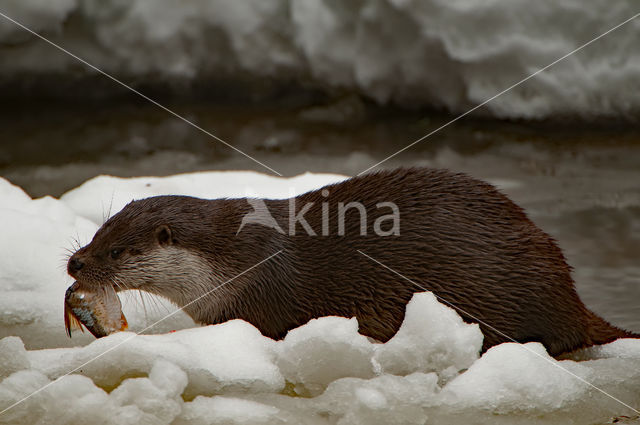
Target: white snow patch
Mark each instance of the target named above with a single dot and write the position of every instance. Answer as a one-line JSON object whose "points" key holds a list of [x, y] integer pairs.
{"points": [[104, 196], [232, 356], [324, 350], [425, 341], [227, 410]]}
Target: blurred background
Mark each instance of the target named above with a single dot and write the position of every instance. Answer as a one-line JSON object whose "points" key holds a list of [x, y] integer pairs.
{"points": [[337, 86]]}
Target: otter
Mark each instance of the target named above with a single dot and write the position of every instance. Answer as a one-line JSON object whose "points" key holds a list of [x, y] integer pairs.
{"points": [[311, 256]]}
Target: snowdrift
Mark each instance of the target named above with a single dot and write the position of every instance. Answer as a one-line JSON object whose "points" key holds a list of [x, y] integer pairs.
{"points": [[449, 54]]}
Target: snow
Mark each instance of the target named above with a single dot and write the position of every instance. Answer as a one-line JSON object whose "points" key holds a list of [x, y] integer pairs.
{"points": [[324, 350], [323, 372], [451, 54], [521, 377], [419, 335], [228, 410], [113, 193], [230, 357]]}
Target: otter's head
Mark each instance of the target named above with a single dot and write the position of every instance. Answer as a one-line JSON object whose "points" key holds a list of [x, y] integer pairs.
{"points": [[142, 247]]}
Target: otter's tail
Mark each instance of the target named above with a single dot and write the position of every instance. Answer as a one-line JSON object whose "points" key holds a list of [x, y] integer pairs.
{"points": [[603, 332]]}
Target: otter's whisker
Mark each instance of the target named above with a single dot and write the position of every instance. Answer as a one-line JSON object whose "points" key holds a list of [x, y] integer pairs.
{"points": [[116, 282], [158, 305], [64, 256], [144, 308], [76, 242], [110, 205]]}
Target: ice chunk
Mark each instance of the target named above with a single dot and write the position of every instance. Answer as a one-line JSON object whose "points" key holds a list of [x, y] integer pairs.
{"points": [[385, 399], [157, 398], [523, 379], [228, 410], [624, 348], [72, 400], [432, 338], [13, 356], [233, 356], [324, 350], [168, 377], [519, 377]]}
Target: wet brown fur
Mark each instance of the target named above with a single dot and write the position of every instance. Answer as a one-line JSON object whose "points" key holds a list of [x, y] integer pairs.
{"points": [[459, 237]]}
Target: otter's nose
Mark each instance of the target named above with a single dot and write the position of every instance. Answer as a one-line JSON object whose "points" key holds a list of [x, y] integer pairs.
{"points": [[74, 265]]}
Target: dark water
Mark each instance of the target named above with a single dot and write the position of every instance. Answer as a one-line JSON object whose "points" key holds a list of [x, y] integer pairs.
{"points": [[580, 182]]}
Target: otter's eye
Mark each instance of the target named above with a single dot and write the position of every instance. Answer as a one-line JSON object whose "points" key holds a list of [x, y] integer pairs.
{"points": [[115, 253]]}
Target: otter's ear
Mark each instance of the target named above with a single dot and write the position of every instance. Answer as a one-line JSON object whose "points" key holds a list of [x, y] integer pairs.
{"points": [[163, 235]]}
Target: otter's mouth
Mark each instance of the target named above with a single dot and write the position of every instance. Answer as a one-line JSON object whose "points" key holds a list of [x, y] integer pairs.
{"points": [[98, 309]]}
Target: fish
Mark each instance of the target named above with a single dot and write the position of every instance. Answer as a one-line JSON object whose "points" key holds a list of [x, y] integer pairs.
{"points": [[99, 310]]}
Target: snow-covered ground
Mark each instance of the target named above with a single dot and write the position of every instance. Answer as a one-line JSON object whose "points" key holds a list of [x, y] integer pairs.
{"points": [[322, 373], [446, 53]]}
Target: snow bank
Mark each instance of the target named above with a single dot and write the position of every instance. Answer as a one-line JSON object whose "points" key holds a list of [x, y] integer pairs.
{"points": [[452, 54], [36, 235], [323, 372], [105, 195], [233, 374]]}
